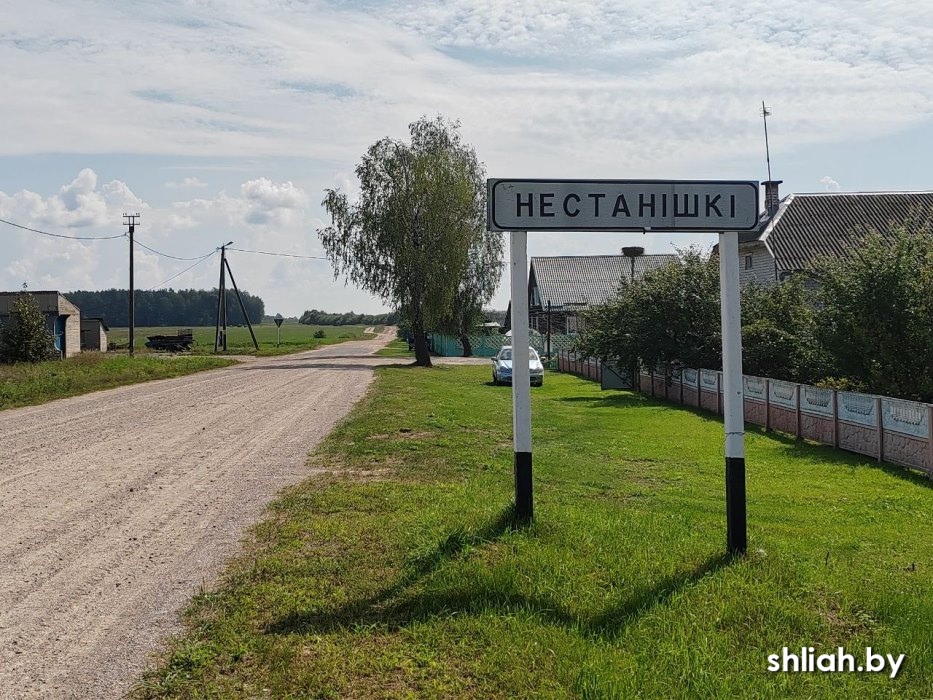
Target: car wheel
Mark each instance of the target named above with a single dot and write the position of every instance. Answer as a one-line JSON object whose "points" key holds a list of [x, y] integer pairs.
{"points": [[495, 379]]}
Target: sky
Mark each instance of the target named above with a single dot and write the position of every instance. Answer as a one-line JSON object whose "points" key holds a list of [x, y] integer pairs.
{"points": [[226, 120]]}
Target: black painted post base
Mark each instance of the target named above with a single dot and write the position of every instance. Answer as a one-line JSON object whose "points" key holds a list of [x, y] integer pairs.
{"points": [[736, 536], [524, 502]]}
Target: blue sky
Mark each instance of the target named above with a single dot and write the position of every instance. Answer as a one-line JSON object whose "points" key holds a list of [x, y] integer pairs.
{"points": [[222, 120]]}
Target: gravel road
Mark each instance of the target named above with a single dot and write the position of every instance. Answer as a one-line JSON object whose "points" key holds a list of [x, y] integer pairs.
{"points": [[117, 506]]}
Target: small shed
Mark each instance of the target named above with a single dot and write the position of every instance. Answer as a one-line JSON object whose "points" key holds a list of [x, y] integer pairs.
{"points": [[94, 334], [63, 318]]}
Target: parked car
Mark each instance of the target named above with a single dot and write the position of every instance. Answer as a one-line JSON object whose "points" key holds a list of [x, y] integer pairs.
{"points": [[502, 367]]}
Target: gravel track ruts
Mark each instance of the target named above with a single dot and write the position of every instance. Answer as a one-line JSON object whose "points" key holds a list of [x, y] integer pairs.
{"points": [[119, 505]]}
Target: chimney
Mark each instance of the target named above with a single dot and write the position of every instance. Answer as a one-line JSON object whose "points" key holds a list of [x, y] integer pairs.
{"points": [[772, 197], [633, 252]]}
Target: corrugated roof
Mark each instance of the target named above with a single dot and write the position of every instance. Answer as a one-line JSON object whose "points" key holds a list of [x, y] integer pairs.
{"points": [[811, 226], [583, 280]]}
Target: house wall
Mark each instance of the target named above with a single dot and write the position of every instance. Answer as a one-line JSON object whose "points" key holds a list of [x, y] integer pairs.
{"points": [[93, 336], [72, 326], [762, 270]]}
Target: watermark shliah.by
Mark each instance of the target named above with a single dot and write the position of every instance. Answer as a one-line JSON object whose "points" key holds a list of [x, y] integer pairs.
{"points": [[807, 661]]}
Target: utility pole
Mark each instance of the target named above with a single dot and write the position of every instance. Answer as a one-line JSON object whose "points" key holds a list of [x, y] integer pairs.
{"points": [[220, 330], [130, 221]]}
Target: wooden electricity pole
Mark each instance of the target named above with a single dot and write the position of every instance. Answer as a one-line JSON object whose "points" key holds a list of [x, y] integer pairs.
{"points": [[220, 334], [130, 221]]}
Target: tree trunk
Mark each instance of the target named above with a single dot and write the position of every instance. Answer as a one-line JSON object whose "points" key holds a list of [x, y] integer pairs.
{"points": [[422, 354], [467, 347]]}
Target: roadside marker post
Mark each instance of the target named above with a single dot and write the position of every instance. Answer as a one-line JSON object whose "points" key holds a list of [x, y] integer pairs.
{"points": [[733, 391], [722, 206]]}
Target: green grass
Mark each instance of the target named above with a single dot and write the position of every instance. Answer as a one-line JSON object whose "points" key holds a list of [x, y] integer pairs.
{"points": [[398, 573], [294, 338], [397, 348], [27, 385]]}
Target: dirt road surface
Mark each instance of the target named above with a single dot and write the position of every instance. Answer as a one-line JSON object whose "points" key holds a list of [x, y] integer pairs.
{"points": [[117, 506]]}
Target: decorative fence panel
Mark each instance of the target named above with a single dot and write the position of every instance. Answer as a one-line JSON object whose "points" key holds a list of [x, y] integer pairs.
{"points": [[709, 390], [892, 430], [489, 345], [816, 414], [755, 389]]}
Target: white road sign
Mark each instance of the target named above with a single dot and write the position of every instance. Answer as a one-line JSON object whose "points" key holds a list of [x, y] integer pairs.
{"points": [[621, 205]]}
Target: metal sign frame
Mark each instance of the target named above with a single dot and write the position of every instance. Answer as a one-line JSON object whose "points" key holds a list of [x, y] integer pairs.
{"points": [[733, 401]]}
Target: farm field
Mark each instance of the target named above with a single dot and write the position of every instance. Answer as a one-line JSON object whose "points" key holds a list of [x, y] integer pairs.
{"points": [[397, 571], [28, 385], [296, 337]]}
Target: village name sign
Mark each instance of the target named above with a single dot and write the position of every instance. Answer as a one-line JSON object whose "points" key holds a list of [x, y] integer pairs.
{"points": [[613, 205], [724, 206]]}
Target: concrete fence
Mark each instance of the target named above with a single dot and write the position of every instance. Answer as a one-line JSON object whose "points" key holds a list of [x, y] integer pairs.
{"points": [[586, 367], [889, 430]]}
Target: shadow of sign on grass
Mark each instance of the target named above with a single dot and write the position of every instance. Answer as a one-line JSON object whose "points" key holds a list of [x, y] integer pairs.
{"points": [[393, 608]]}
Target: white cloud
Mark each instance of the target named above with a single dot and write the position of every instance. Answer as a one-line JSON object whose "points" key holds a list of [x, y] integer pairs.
{"points": [[186, 184], [829, 184], [267, 215], [626, 86]]}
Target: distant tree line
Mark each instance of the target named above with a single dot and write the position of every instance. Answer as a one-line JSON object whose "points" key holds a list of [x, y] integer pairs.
{"points": [[166, 307], [862, 323], [315, 317]]}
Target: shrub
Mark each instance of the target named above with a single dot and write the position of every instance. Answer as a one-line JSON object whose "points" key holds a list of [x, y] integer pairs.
{"points": [[320, 333]]}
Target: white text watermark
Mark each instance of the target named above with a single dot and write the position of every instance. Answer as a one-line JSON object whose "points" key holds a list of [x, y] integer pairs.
{"points": [[806, 660]]}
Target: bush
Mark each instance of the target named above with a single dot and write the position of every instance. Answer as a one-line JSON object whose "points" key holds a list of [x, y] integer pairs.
{"points": [[320, 334], [26, 337]]}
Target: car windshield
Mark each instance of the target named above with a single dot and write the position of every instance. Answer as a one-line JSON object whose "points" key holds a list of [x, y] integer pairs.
{"points": [[532, 355]]}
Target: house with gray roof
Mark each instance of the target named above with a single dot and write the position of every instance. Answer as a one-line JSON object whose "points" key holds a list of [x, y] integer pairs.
{"points": [[63, 318], [801, 229], [573, 283]]}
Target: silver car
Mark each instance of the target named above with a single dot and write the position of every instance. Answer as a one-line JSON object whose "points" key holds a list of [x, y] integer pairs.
{"points": [[502, 367]]}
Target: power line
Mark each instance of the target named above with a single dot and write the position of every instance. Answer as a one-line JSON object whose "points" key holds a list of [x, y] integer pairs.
{"points": [[190, 267], [280, 255], [166, 255], [61, 235]]}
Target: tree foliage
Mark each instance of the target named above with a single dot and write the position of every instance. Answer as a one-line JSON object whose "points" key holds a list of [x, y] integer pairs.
{"points": [[779, 332], [869, 327], [670, 316], [165, 307], [416, 237], [876, 317], [26, 336]]}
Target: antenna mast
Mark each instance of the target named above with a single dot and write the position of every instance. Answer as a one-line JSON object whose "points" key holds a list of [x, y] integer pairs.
{"points": [[765, 113]]}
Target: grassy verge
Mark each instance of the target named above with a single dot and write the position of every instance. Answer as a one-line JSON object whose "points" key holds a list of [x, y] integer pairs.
{"points": [[294, 338], [398, 573], [397, 348], [27, 385]]}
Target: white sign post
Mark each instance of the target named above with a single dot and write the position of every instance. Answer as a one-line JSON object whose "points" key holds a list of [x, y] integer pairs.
{"points": [[521, 379], [723, 206], [733, 392]]}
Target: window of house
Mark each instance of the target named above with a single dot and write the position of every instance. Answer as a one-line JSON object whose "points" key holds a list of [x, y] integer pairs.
{"points": [[748, 262]]}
